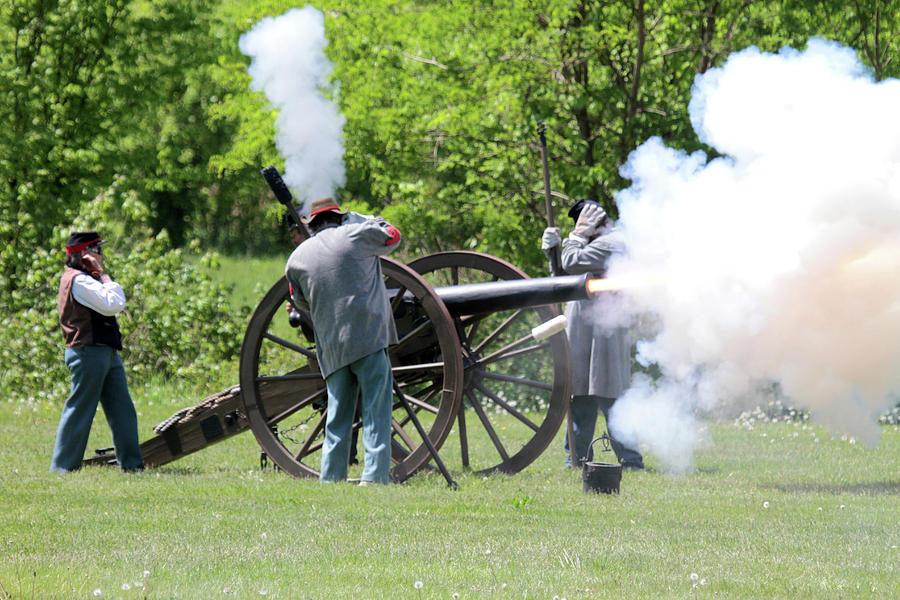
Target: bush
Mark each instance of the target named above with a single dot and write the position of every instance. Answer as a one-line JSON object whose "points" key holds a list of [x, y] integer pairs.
{"points": [[176, 323]]}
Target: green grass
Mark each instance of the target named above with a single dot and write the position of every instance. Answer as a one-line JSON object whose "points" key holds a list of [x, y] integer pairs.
{"points": [[250, 277], [212, 525], [782, 510]]}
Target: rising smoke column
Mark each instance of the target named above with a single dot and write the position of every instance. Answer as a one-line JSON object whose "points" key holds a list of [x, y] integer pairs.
{"points": [[776, 263], [289, 65]]}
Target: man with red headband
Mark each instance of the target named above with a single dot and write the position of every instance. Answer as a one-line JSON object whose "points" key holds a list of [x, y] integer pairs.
{"points": [[88, 301], [336, 276]]}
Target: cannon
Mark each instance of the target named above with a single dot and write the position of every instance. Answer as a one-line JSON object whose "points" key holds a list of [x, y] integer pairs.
{"points": [[466, 359], [466, 356]]}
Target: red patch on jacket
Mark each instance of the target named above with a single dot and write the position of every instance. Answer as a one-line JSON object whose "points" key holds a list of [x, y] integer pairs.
{"points": [[394, 233]]}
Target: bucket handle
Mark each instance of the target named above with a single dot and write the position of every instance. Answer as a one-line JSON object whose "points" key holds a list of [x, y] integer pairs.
{"points": [[607, 447]]}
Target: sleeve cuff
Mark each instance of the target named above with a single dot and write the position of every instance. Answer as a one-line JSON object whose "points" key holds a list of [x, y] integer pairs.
{"points": [[577, 238]]}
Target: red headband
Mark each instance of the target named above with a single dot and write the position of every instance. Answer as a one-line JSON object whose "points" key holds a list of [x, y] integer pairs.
{"points": [[80, 247], [323, 209]]}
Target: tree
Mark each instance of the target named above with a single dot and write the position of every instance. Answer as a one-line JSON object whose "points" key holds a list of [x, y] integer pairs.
{"points": [[93, 93]]}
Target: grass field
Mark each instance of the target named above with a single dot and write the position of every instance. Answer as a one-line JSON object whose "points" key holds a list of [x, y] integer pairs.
{"points": [[780, 511], [772, 510], [250, 277]]}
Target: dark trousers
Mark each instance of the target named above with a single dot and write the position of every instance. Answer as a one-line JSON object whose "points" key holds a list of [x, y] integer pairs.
{"points": [[584, 421], [98, 377]]}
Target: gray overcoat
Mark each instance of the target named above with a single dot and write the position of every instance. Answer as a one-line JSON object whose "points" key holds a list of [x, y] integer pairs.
{"points": [[599, 340], [336, 276]]}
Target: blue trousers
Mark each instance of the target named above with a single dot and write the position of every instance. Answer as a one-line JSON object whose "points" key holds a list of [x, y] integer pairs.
{"points": [[584, 420], [97, 377], [372, 377]]}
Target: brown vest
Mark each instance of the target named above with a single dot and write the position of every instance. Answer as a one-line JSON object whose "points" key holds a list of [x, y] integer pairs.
{"points": [[81, 325]]}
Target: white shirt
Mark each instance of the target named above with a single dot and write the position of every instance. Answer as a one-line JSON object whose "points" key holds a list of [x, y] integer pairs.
{"points": [[108, 298]]}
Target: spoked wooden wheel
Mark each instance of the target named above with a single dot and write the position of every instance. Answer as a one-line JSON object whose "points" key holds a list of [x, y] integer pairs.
{"points": [[515, 395], [284, 394]]}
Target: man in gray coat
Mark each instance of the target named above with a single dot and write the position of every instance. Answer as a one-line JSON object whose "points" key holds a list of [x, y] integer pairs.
{"points": [[336, 276], [601, 349]]}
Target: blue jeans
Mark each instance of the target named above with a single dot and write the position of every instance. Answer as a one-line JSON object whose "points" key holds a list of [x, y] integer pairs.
{"points": [[97, 377], [584, 420], [372, 377]]}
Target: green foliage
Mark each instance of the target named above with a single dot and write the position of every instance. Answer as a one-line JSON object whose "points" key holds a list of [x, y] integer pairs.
{"points": [[442, 100], [176, 323]]}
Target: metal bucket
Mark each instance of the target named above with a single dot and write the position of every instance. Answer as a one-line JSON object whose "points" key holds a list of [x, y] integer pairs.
{"points": [[597, 477], [601, 477]]}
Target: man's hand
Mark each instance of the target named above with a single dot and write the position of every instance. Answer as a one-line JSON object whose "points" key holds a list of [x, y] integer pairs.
{"points": [[93, 263], [551, 238], [589, 221]]}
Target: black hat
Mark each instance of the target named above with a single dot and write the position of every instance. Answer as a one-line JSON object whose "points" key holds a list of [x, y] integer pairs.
{"points": [[82, 240], [576, 209]]}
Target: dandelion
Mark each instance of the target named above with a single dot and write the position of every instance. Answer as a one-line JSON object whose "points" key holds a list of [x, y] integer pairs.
{"points": [[765, 505], [146, 574], [694, 577], [704, 582], [455, 596], [97, 592], [263, 536], [488, 551], [126, 587], [418, 585], [842, 507]]}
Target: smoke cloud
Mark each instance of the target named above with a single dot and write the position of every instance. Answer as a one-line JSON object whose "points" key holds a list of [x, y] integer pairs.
{"points": [[773, 268], [289, 65]]}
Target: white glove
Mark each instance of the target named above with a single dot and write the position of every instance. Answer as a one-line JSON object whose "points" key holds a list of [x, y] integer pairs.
{"points": [[550, 238], [589, 221]]}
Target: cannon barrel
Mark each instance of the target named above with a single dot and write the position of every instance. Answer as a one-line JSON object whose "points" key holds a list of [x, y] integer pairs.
{"points": [[493, 296]]}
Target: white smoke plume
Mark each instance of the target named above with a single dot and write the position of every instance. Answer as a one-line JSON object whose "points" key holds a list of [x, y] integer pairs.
{"points": [[289, 65], [777, 264]]}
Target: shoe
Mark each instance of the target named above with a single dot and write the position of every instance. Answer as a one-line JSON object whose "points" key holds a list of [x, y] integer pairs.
{"points": [[632, 466], [365, 483]]}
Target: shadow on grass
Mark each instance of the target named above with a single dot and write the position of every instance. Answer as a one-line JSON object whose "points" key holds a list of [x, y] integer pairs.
{"points": [[868, 488], [180, 470]]}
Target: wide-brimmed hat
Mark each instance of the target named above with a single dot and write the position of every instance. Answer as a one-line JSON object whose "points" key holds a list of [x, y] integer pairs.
{"points": [[82, 240], [322, 205]]}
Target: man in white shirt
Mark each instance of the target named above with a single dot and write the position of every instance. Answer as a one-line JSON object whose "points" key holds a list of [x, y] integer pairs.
{"points": [[88, 301]]}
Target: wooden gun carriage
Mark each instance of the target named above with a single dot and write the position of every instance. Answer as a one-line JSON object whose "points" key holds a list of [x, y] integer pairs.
{"points": [[466, 359]]}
